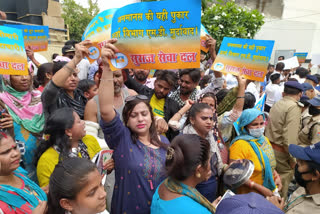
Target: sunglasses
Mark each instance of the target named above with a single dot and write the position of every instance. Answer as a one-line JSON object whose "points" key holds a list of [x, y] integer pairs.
{"points": [[140, 97], [70, 56]]}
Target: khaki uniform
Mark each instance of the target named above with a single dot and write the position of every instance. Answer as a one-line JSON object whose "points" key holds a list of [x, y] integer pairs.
{"points": [[301, 203], [310, 131], [282, 130]]}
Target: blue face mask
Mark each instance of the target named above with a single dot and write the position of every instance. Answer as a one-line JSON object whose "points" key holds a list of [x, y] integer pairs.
{"points": [[256, 132]]}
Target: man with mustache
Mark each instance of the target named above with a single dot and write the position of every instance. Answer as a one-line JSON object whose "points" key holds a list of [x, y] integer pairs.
{"points": [[189, 79], [141, 76], [163, 107]]}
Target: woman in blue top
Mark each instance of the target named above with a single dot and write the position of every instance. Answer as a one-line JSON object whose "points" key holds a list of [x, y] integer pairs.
{"points": [[139, 152], [18, 194], [187, 164]]}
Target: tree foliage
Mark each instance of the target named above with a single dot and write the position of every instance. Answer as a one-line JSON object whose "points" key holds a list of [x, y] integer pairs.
{"points": [[230, 20], [78, 17]]}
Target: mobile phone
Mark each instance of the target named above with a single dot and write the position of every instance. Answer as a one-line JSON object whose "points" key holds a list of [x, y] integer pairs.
{"points": [[227, 194]]}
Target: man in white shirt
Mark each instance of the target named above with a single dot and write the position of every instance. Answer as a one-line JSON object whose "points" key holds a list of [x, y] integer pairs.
{"points": [[273, 91]]}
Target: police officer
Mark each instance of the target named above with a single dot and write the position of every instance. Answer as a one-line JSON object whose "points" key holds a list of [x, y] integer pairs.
{"points": [[310, 130], [306, 199], [283, 129]]}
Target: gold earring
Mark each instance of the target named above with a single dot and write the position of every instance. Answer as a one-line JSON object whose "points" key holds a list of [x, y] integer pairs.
{"points": [[70, 137], [198, 175]]}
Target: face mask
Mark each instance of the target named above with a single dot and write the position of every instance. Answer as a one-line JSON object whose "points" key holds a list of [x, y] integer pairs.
{"points": [[314, 111], [256, 132], [298, 176]]}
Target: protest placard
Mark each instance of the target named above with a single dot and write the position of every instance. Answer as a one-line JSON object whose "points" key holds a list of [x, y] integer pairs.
{"points": [[301, 56], [34, 36], [98, 31], [290, 63], [247, 57], [157, 35], [13, 58], [203, 38]]}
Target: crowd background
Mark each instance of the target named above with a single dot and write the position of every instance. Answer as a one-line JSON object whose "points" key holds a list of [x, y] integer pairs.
{"points": [[172, 137]]}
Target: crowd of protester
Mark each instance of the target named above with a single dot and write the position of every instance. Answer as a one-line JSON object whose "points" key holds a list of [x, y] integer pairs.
{"points": [[172, 136]]}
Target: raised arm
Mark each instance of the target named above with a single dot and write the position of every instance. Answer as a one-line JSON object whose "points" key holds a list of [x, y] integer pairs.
{"points": [[30, 54], [81, 51], [211, 44], [238, 106], [106, 90]]}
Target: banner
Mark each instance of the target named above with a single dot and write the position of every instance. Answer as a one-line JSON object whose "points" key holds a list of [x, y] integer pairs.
{"points": [[34, 36], [13, 58], [248, 57], [203, 38], [301, 56], [157, 35], [98, 31], [259, 105]]}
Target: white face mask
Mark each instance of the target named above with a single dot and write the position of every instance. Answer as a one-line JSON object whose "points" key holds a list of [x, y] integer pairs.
{"points": [[256, 132]]}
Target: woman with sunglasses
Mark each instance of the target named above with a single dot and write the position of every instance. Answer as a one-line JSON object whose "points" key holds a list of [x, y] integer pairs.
{"points": [[200, 122], [139, 152]]}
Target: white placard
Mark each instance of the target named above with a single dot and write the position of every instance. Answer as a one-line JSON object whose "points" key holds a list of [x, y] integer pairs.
{"points": [[291, 63]]}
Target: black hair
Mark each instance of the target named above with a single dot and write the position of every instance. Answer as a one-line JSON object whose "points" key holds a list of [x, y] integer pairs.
{"points": [[56, 125], [68, 178], [270, 66], [57, 66], [205, 80], [291, 91], [6, 133], [279, 66], [221, 95], [71, 42], [249, 100], [85, 85], [293, 79], [42, 71], [313, 167], [274, 77], [194, 74], [185, 153], [127, 110], [54, 56], [195, 109], [209, 94], [281, 57], [303, 72], [169, 76]]}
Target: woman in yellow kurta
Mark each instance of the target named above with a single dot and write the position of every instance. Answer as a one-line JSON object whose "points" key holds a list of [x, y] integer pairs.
{"points": [[251, 144], [65, 138]]}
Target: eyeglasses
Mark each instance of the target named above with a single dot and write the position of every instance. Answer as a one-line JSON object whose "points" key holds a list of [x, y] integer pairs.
{"points": [[140, 97]]}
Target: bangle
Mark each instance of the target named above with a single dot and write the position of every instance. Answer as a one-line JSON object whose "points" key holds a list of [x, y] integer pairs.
{"points": [[180, 113], [69, 69], [241, 97]]}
